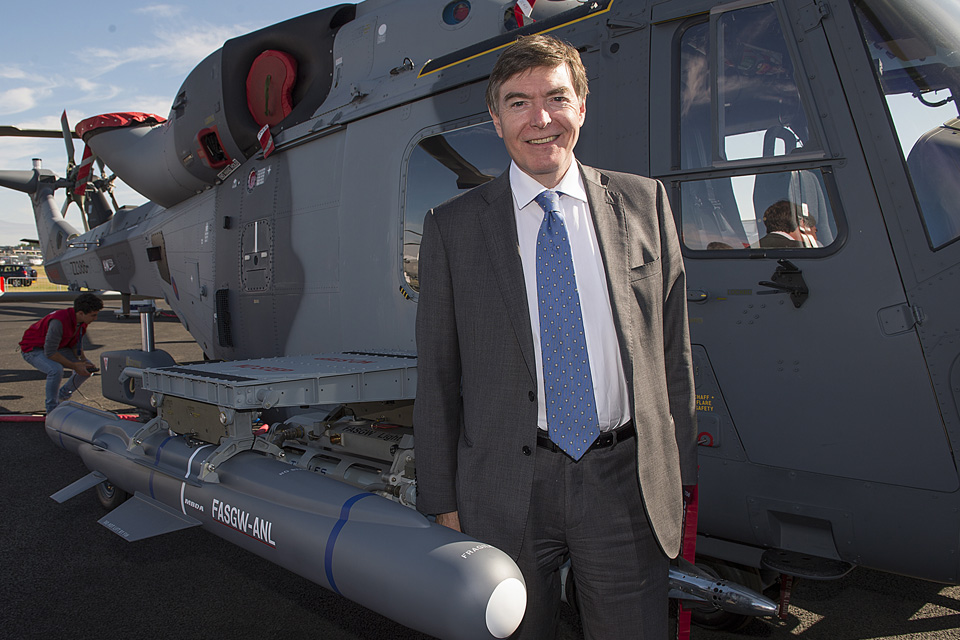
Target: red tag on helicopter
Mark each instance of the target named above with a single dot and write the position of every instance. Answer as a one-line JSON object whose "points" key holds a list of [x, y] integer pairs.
{"points": [[523, 8], [266, 141]]}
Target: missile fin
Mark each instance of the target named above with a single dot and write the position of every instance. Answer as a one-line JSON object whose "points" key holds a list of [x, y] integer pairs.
{"points": [[143, 517], [76, 488]]}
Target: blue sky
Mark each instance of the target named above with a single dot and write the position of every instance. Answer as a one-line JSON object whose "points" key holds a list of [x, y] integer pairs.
{"points": [[100, 58]]}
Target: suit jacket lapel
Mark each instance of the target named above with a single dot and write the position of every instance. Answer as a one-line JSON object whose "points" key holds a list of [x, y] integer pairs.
{"points": [[610, 223], [499, 227]]}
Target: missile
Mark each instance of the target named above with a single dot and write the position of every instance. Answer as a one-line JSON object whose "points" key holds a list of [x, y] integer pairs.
{"points": [[691, 584], [378, 553]]}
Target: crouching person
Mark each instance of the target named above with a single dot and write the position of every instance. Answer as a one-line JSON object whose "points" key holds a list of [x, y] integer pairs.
{"points": [[55, 343]]}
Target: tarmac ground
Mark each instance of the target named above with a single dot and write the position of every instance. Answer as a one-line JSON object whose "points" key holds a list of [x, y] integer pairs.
{"points": [[65, 576]]}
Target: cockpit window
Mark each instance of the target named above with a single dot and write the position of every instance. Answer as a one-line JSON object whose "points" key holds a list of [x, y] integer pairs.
{"points": [[758, 111], [441, 166], [914, 46], [742, 111], [757, 87]]}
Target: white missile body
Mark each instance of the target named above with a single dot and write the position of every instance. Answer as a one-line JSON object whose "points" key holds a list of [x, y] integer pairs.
{"points": [[428, 577]]}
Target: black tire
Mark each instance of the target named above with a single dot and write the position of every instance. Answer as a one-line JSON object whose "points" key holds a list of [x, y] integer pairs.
{"points": [[717, 619], [110, 496]]}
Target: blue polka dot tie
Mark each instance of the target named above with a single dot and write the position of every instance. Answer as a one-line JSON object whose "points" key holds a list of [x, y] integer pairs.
{"points": [[568, 385]]}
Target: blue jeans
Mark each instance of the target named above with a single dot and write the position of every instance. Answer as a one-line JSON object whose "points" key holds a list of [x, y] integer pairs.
{"points": [[54, 372]]}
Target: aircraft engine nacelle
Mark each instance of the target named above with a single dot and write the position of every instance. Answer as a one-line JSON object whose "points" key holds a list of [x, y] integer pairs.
{"points": [[274, 77]]}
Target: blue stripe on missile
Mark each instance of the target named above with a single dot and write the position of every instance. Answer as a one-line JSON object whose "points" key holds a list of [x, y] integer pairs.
{"points": [[335, 533], [156, 462]]}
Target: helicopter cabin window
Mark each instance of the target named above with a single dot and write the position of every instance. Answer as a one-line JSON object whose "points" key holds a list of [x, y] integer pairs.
{"points": [[441, 166], [755, 124], [915, 59], [779, 210]]}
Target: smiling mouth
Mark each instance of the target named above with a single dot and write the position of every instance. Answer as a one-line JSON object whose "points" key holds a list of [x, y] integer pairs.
{"points": [[543, 140]]}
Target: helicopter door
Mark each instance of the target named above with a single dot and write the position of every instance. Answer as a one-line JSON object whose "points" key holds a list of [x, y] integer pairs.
{"points": [[911, 48], [789, 263]]}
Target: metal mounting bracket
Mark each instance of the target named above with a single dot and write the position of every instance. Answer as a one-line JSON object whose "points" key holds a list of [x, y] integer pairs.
{"points": [[787, 279]]}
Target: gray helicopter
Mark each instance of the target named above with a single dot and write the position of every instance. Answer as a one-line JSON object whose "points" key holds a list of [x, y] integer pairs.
{"points": [[810, 150]]}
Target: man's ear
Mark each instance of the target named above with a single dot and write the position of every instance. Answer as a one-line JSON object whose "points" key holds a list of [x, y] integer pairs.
{"points": [[496, 121]]}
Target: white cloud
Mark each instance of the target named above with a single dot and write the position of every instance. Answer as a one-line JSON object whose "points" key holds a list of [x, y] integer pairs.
{"points": [[50, 121], [85, 85], [19, 100], [178, 50], [160, 10], [16, 153], [12, 73], [157, 105]]}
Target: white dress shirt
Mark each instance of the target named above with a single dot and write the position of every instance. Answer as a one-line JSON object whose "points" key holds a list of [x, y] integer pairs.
{"points": [[603, 349]]}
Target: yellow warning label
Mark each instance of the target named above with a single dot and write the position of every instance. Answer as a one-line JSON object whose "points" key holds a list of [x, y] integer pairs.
{"points": [[704, 402]]}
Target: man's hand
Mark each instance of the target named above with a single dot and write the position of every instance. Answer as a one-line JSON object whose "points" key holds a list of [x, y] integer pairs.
{"points": [[450, 520], [83, 368]]}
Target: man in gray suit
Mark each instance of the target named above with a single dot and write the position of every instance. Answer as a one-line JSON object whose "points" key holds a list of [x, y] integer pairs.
{"points": [[555, 404]]}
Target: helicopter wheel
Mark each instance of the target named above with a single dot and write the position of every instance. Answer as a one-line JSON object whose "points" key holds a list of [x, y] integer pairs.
{"points": [[110, 496], [718, 619]]}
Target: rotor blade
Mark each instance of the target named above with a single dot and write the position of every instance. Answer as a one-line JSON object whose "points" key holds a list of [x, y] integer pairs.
{"points": [[109, 189], [84, 172], [25, 181], [67, 138], [79, 201], [441, 150], [15, 132], [83, 214]]}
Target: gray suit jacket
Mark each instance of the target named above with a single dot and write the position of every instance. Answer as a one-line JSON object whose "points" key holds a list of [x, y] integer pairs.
{"points": [[475, 417]]}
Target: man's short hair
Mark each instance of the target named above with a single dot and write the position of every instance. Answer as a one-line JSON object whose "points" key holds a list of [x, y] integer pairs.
{"points": [[530, 52], [87, 303], [781, 216]]}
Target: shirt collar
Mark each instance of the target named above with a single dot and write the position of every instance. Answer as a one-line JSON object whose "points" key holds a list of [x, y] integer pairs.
{"points": [[525, 188]]}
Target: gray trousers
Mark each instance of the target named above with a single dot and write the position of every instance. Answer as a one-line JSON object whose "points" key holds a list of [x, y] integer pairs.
{"points": [[591, 511]]}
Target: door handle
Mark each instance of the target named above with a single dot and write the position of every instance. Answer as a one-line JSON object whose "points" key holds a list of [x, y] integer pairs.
{"points": [[787, 279], [696, 295]]}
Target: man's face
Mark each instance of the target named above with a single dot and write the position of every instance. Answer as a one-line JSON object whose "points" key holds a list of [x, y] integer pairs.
{"points": [[86, 318], [539, 120]]}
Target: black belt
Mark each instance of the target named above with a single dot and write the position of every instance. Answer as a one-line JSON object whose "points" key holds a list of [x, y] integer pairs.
{"points": [[605, 439]]}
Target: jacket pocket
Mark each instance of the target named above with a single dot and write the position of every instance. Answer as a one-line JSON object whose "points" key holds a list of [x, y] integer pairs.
{"points": [[645, 270]]}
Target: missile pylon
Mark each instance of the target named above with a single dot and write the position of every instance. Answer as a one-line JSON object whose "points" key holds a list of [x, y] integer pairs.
{"points": [[428, 577]]}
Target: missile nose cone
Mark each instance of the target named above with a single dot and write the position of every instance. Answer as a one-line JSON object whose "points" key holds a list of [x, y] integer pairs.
{"points": [[505, 608]]}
